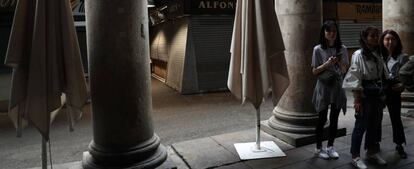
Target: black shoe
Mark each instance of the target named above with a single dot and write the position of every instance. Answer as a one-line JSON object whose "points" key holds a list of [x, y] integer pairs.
{"points": [[401, 151]]}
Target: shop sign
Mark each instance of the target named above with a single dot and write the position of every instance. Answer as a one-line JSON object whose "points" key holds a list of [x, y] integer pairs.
{"points": [[360, 11], [210, 6]]}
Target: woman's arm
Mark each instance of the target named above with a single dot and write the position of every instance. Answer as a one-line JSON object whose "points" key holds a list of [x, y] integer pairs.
{"points": [[321, 68]]}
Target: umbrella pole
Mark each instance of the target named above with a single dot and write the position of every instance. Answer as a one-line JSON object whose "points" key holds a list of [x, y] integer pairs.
{"points": [[44, 154], [258, 128], [69, 116]]}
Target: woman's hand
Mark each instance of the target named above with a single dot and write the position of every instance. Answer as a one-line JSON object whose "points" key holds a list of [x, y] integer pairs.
{"points": [[357, 106], [357, 101], [332, 60]]}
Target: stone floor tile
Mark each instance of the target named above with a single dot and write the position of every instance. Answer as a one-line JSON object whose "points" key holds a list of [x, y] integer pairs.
{"points": [[228, 140], [293, 156], [337, 144], [239, 165], [322, 163], [408, 166], [345, 139], [394, 160], [300, 165], [204, 153], [173, 157]]}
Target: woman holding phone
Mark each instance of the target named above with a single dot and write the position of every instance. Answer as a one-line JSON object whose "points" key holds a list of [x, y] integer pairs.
{"points": [[329, 64]]}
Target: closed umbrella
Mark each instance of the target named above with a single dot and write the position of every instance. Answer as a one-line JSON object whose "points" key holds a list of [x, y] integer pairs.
{"points": [[257, 65], [44, 54]]}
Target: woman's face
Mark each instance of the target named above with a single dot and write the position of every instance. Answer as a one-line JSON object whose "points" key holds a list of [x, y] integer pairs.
{"points": [[390, 42], [330, 33], [372, 39]]}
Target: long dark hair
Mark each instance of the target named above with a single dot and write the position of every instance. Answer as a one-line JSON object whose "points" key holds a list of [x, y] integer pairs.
{"points": [[398, 48], [363, 41], [327, 25]]}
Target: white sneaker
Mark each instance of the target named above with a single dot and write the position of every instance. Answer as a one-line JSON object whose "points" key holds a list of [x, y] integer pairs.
{"points": [[332, 153], [321, 153], [377, 158], [358, 163]]}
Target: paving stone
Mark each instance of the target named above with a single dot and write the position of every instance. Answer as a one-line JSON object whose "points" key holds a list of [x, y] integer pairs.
{"points": [[345, 139], [394, 160], [386, 119], [386, 144], [175, 159], [408, 166], [410, 149], [204, 153], [168, 164], [292, 156], [239, 165], [72, 165], [409, 137], [337, 145], [299, 165], [322, 163], [228, 140], [386, 131], [346, 166]]}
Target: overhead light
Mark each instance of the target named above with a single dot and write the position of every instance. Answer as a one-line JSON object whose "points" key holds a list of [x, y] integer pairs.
{"points": [[151, 4]]}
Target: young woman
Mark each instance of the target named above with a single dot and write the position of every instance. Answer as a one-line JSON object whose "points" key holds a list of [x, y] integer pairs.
{"points": [[365, 78], [329, 64], [391, 51]]}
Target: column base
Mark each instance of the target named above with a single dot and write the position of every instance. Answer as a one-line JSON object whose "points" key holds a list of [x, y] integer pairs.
{"points": [[154, 161], [295, 139], [407, 100]]}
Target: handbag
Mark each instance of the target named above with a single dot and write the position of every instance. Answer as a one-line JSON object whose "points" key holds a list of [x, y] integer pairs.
{"points": [[372, 88], [327, 77]]}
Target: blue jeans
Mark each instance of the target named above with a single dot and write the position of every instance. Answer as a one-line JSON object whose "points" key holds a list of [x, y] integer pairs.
{"points": [[368, 120]]}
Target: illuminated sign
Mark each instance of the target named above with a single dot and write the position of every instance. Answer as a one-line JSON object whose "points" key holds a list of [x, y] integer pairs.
{"points": [[359, 11], [210, 6]]}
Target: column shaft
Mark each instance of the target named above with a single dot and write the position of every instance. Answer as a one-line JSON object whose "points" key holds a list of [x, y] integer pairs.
{"points": [[118, 50], [300, 23], [399, 16]]}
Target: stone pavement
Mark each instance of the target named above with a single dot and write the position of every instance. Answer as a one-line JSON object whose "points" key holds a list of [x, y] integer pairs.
{"points": [[218, 151]]}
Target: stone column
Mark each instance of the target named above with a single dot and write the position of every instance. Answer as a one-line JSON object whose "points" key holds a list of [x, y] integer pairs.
{"points": [[399, 16], [118, 50], [294, 117]]}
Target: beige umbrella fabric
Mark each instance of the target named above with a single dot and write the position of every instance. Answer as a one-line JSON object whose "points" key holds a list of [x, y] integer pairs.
{"points": [[44, 54], [257, 64]]}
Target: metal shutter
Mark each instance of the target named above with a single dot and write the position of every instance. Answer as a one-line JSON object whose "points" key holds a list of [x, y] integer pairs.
{"points": [[350, 30], [212, 39]]}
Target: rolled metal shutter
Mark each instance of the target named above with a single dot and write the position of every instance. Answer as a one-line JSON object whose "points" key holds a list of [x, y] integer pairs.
{"points": [[212, 39], [350, 30]]}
